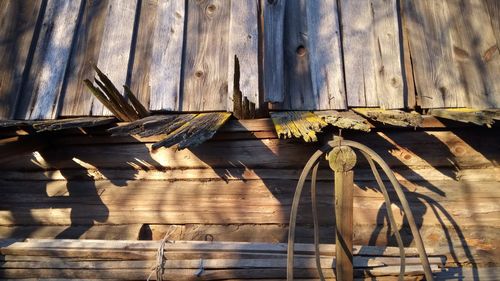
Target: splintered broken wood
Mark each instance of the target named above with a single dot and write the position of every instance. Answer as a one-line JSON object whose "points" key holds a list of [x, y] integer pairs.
{"points": [[184, 130], [305, 124], [466, 115], [83, 122], [298, 124], [391, 117]]}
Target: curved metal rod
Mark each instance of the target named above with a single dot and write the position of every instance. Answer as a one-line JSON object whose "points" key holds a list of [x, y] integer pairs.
{"points": [[404, 203], [314, 204], [390, 214]]}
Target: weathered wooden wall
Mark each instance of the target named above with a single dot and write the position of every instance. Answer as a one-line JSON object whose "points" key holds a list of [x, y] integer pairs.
{"points": [[298, 54], [239, 187]]}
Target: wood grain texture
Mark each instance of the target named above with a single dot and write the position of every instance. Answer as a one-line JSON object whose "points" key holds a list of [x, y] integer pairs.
{"points": [[372, 54], [388, 59], [139, 80], [274, 75], [475, 53], [166, 61], [43, 85], [17, 24], [357, 36], [437, 79], [206, 56], [114, 54], [325, 54], [77, 100], [243, 47], [298, 83]]}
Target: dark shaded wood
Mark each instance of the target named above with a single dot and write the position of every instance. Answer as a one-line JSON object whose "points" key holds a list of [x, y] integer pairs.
{"points": [[17, 25], [64, 124]]}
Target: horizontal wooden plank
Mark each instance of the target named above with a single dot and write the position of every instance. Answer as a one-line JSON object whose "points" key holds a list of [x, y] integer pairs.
{"points": [[399, 149]]}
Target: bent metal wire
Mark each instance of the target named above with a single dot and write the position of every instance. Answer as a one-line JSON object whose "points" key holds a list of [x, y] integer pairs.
{"points": [[373, 159]]}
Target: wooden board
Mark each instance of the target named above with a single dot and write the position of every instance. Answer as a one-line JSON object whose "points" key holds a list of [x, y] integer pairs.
{"points": [[298, 84], [243, 50], [165, 73], [115, 50], [274, 72], [206, 56], [17, 23], [325, 52], [475, 53], [372, 54], [40, 95], [437, 79], [77, 99]]}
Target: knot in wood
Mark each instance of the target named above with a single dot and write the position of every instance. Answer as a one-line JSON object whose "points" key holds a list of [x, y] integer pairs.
{"points": [[342, 159]]}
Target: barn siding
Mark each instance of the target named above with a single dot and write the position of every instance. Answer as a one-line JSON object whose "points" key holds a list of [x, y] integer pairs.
{"points": [[239, 187], [185, 59]]}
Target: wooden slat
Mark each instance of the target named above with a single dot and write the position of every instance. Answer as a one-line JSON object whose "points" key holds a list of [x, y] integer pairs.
{"points": [[43, 85], [17, 24], [475, 53], [206, 56], [243, 47], [274, 75], [116, 45], [165, 73], [437, 79], [372, 58], [77, 99], [325, 54], [298, 84]]}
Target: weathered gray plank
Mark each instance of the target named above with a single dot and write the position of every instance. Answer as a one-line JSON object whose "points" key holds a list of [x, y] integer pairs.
{"points": [[372, 54], [325, 54], [274, 19], [42, 89], [17, 23], [141, 69], [437, 79], [388, 74], [77, 100], [298, 84], [359, 58], [206, 56], [243, 46], [115, 49], [475, 53], [165, 76]]}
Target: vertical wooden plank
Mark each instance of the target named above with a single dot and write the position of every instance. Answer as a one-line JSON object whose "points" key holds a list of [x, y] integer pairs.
{"points": [[344, 183], [17, 24], [143, 55], [410, 94], [206, 57], [274, 76], [388, 74], [116, 45], [437, 79], [359, 56], [494, 12], [325, 54], [372, 53], [50, 59], [243, 45], [475, 52], [298, 84], [77, 100], [166, 64]]}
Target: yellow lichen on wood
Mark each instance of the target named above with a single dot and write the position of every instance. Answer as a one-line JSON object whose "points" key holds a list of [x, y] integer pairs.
{"points": [[468, 115], [344, 120], [391, 117], [298, 124]]}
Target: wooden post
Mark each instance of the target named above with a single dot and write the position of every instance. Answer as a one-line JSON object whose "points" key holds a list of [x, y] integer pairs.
{"points": [[342, 159]]}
